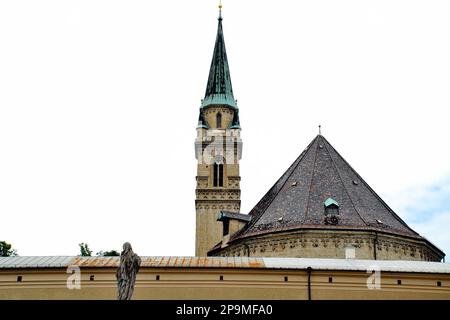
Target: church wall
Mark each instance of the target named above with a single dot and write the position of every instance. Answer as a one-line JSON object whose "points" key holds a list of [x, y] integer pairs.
{"points": [[331, 244], [205, 283], [210, 114], [208, 230], [211, 199]]}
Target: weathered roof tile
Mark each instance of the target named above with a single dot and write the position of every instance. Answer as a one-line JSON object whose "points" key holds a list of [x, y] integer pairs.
{"points": [[296, 200]]}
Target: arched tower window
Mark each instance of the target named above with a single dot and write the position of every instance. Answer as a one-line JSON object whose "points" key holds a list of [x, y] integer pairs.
{"points": [[219, 120], [218, 174]]}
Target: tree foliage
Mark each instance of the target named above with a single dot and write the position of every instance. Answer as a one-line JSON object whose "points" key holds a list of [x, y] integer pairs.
{"points": [[111, 253], [84, 250], [6, 250]]}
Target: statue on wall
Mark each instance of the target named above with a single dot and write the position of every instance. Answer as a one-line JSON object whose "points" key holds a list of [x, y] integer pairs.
{"points": [[126, 272]]}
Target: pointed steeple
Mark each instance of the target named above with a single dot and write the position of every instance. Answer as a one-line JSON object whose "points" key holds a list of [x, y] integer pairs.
{"points": [[219, 90]]}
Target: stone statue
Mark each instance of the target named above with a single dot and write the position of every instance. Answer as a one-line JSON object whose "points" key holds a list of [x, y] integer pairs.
{"points": [[126, 272]]}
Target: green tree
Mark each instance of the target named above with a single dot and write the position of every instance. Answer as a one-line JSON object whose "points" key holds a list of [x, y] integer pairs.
{"points": [[84, 250], [6, 250], [112, 253]]}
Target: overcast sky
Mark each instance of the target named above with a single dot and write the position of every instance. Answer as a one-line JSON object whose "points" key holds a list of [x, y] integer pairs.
{"points": [[99, 104]]}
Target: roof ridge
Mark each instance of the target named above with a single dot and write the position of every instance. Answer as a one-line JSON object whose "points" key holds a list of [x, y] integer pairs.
{"points": [[310, 185], [372, 191], [342, 182], [259, 214]]}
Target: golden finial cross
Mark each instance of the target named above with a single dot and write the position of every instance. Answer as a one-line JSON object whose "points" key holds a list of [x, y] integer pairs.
{"points": [[220, 8]]}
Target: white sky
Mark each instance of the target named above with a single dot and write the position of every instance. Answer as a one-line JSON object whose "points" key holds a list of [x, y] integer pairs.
{"points": [[99, 103]]}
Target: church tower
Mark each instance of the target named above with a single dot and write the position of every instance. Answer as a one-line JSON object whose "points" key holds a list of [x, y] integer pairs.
{"points": [[218, 150]]}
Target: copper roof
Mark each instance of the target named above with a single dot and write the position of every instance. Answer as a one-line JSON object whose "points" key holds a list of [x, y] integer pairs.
{"points": [[233, 215], [227, 262], [219, 89]]}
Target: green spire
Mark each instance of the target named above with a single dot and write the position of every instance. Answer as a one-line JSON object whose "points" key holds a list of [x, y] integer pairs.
{"points": [[219, 90]]}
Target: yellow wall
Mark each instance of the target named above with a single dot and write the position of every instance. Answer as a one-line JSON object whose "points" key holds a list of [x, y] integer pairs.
{"points": [[209, 199], [205, 283], [211, 116]]}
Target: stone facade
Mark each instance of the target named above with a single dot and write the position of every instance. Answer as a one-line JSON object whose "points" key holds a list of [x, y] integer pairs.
{"points": [[216, 146], [332, 244]]}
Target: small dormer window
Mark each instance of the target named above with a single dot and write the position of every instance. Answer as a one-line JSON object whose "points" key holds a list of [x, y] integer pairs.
{"points": [[331, 208]]}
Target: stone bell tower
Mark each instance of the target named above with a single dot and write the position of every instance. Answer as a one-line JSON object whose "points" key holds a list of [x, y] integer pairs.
{"points": [[218, 149]]}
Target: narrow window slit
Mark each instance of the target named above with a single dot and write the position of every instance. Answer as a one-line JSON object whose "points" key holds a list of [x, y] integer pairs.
{"points": [[218, 175], [219, 121]]}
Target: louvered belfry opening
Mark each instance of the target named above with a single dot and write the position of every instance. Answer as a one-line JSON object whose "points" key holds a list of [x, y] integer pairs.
{"points": [[218, 175]]}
